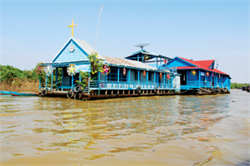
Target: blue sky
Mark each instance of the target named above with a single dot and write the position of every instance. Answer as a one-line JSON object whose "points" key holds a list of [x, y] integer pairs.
{"points": [[34, 31]]}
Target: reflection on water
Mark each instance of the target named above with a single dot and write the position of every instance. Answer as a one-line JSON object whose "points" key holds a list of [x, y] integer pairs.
{"points": [[166, 130]]}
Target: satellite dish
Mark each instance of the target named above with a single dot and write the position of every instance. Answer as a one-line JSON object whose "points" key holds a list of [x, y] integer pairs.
{"points": [[142, 45]]}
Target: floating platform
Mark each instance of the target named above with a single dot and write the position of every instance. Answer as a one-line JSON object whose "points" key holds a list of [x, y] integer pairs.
{"points": [[103, 94]]}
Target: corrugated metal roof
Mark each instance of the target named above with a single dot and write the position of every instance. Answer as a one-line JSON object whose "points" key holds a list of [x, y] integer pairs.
{"points": [[190, 61], [86, 47], [126, 62], [205, 63], [201, 63]]}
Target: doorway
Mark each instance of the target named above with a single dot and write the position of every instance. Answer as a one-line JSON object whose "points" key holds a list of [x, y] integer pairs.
{"points": [[183, 77]]}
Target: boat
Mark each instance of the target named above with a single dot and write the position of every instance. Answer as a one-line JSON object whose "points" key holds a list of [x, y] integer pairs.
{"points": [[22, 94], [4, 93]]}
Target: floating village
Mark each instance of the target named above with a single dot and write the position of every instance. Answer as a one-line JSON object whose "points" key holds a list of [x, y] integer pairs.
{"points": [[142, 73]]}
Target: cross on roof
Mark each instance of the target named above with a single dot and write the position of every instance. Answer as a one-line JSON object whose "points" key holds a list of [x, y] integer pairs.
{"points": [[72, 27]]}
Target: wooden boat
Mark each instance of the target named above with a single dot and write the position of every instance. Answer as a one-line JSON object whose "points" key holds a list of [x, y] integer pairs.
{"points": [[4, 93], [22, 94]]}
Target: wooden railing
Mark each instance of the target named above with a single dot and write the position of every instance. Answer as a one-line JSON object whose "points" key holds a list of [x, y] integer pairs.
{"points": [[128, 85]]}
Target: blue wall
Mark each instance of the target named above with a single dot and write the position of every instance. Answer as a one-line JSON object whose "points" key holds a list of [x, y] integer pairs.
{"points": [[191, 77], [226, 82], [66, 56]]}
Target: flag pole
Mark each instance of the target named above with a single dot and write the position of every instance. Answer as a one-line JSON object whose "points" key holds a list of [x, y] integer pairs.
{"points": [[217, 64], [100, 12]]}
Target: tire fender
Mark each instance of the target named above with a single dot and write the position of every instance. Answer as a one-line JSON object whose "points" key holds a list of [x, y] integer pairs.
{"points": [[70, 94], [138, 90], [44, 92]]}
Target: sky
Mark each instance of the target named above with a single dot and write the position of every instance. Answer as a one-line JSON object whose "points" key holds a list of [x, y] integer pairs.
{"points": [[34, 31]]}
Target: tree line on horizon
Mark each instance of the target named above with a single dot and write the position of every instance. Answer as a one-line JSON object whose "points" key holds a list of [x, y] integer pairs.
{"points": [[235, 85], [13, 76]]}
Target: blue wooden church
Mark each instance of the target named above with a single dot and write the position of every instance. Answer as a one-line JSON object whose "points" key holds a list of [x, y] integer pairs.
{"points": [[141, 73], [138, 74]]}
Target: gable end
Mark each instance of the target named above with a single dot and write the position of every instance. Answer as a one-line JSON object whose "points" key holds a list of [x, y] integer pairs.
{"points": [[178, 62], [65, 55]]}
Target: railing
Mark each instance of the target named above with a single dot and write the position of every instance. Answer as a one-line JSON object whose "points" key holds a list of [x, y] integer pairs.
{"points": [[199, 84], [165, 86], [127, 85], [55, 84], [202, 84]]}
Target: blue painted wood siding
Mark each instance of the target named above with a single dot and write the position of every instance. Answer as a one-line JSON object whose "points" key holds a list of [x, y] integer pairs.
{"points": [[66, 56], [191, 77]]}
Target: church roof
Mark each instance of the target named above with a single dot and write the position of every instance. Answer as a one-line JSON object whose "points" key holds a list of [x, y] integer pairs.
{"points": [[86, 47], [113, 60]]}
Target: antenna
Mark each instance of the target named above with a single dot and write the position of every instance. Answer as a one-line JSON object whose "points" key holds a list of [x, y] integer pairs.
{"points": [[100, 12], [142, 45]]}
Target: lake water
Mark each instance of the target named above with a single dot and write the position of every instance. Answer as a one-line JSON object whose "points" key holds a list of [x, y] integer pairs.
{"points": [[161, 130]]}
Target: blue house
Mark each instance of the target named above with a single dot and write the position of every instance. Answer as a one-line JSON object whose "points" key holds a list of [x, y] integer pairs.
{"points": [[196, 75], [141, 73]]}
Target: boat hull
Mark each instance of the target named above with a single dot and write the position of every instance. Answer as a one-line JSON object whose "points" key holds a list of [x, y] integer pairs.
{"points": [[4, 93], [22, 94]]}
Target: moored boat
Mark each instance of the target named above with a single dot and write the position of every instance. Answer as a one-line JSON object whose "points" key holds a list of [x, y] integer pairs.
{"points": [[22, 94], [4, 93]]}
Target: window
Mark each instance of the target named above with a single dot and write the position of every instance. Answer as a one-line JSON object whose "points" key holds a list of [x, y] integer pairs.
{"points": [[149, 76], [112, 76], [122, 77], [136, 75]]}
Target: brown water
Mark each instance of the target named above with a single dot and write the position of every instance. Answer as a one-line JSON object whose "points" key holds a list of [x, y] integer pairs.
{"points": [[166, 130]]}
